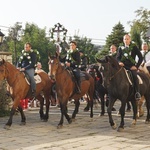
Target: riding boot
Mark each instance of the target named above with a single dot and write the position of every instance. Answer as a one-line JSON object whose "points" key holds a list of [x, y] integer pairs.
{"points": [[78, 86], [33, 93], [137, 94]]}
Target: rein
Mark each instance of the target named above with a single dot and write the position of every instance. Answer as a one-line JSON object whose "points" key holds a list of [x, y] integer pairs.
{"points": [[8, 73], [115, 74]]}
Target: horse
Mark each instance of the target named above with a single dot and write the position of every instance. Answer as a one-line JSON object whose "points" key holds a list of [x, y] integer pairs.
{"points": [[21, 90], [119, 87], [65, 88], [142, 68]]}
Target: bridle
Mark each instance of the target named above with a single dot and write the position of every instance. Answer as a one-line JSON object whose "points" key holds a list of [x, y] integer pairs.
{"points": [[115, 74]]}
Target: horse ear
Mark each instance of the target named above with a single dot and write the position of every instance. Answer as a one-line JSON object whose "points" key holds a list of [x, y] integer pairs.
{"points": [[102, 60], [57, 54], [49, 56], [2, 61]]}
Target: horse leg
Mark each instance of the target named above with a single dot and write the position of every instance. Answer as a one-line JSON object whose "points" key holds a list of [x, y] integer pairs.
{"points": [[134, 105], [109, 109], [91, 106], [102, 105], [23, 118], [63, 107], [41, 112], [128, 107], [140, 109], [148, 109], [46, 96], [77, 104], [9, 123], [88, 105], [122, 113]]}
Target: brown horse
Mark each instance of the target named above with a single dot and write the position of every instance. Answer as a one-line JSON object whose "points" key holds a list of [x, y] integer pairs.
{"points": [[65, 88], [20, 90]]}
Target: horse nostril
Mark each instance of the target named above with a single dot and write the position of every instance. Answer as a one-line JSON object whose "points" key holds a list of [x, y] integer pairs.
{"points": [[52, 77]]}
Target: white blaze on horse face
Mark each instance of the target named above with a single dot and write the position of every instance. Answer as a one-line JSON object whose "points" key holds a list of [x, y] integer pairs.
{"points": [[50, 69]]}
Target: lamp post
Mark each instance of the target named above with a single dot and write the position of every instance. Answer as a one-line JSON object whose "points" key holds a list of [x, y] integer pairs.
{"points": [[15, 34], [1, 37]]}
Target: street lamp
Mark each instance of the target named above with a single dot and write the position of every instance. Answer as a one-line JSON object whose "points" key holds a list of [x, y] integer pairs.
{"points": [[1, 37]]}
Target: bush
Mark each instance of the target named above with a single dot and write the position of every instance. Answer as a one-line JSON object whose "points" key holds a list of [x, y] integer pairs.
{"points": [[4, 100]]}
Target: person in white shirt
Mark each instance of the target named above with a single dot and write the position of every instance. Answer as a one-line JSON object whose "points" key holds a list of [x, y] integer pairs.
{"points": [[146, 55]]}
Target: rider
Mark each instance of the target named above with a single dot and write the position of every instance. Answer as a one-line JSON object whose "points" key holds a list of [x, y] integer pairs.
{"points": [[126, 57], [113, 51], [84, 61], [73, 61], [27, 62], [146, 55]]}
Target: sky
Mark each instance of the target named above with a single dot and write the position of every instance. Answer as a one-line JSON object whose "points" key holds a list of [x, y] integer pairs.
{"points": [[93, 19]]}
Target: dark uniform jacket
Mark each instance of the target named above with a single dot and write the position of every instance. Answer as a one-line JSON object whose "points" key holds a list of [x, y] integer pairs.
{"points": [[84, 63], [27, 60], [73, 58], [127, 56]]}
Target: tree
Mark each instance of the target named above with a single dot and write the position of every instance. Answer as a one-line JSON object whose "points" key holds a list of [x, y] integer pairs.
{"points": [[135, 34], [116, 37], [142, 21], [39, 41], [87, 47]]}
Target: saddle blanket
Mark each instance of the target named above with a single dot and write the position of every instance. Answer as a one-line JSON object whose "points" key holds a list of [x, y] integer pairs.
{"points": [[37, 79]]}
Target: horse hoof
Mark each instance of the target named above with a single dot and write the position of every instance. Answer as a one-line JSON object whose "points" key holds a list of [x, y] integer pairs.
{"points": [[128, 110], [113, 109], [120, 129], [133, 123], [102, 114], [114, 126], [147, 122], [23, 123], [59, 126], [73, 119], [7, 127], [44, 120], [86, 109], [70, 121]]}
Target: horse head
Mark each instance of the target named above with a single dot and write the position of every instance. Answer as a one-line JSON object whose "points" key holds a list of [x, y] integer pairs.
{"points": [[109, 68], [2, 69], [2, 61], [53, 65]]}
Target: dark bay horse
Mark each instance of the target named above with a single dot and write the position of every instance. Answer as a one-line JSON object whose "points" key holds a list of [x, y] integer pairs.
{"points": [[118, 86], [65, 88], [20, 88]]}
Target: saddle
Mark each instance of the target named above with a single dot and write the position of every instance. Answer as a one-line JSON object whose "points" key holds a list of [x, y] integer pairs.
{"points": [[83, 75], [37, 78], [130, 77]]}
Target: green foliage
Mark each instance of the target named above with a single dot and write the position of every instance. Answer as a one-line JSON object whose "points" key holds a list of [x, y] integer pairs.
{"points": [[135, 34], [142, 21], [4, 100], [116, 37], [87, 47]]}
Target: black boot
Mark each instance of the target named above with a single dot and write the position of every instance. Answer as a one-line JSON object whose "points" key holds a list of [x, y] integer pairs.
{"points": [[33, 94], [78, 87]]}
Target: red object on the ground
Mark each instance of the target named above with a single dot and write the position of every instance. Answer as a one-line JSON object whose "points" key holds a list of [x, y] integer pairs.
{"points": [[24, 103]]}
